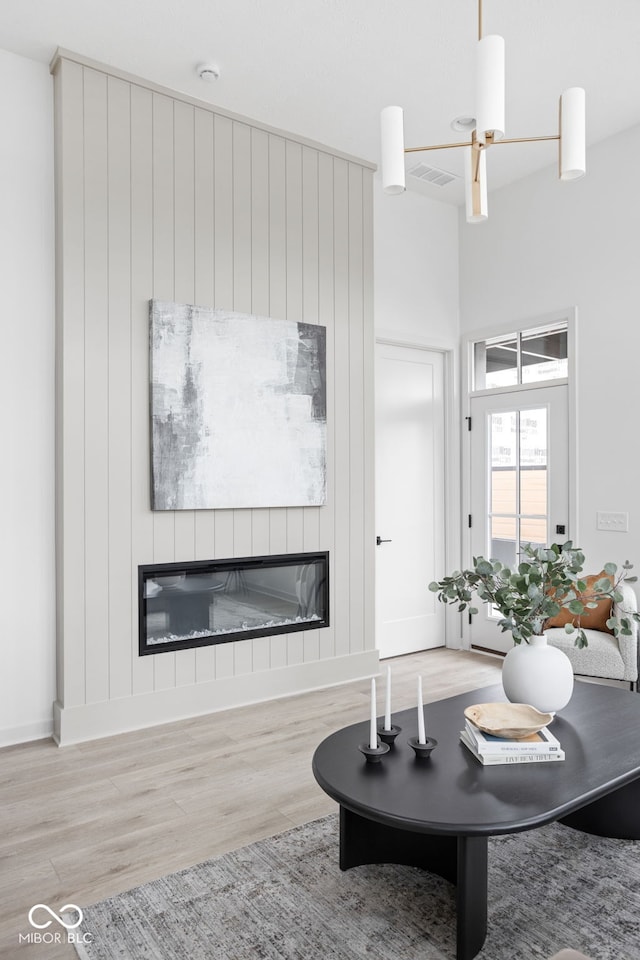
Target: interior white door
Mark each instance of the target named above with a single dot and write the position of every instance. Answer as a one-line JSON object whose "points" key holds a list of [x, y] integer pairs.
{"points": [[409, 498], [519, 484]]}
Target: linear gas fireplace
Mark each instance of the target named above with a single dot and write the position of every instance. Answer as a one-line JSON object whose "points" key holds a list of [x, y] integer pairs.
{"points": [[183, 605]]}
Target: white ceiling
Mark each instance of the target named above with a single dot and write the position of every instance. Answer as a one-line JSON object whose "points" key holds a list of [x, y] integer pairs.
{"points": [[323, 69]]}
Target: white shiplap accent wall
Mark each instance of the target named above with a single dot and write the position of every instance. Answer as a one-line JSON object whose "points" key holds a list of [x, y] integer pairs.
{"points": [[162, 196]]}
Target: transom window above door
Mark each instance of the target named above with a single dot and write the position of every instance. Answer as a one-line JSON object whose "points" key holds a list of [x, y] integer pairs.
{"points": [[526, 357]]}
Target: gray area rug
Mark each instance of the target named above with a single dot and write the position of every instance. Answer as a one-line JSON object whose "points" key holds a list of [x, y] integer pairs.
{"points": [[285, 899]]}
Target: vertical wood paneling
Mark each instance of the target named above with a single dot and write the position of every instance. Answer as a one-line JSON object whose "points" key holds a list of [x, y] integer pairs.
{"points": [[184, 292], [326, 313], [204, 173], [242, 304], [294, 253], [223, 247], [356, 408], [223, 207], [260, 546], [96, 466], [342, 427], [71, 416], [164, 665], [369, 407], [121, 596], [278, 310], [241, 175], [141, 293], [310, 312], [181, 204]]}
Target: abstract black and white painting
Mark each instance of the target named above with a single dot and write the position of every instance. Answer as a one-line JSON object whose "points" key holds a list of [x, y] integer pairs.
{"points": [[238, 410]]}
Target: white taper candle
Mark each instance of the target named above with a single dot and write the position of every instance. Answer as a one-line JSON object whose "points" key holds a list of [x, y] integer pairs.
{"points": [[421, 734], [373, 733], [387, 704]]}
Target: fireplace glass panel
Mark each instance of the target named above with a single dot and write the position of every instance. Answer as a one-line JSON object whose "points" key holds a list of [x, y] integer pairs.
{"points": [[201, 603]]}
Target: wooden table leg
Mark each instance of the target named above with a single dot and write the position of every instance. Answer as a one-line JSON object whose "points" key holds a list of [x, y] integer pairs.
{"points": [[461, 860], [471, 896]]}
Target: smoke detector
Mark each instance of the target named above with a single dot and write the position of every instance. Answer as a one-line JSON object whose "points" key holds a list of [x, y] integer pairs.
{"points": [[208, 72]]}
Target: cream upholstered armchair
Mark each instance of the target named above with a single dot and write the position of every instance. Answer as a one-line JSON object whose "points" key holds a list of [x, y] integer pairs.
{"points": [[605, 656]]}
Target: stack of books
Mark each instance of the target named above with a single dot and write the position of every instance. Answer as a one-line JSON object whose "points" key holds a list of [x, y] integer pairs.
{"points": [[489, 749]]}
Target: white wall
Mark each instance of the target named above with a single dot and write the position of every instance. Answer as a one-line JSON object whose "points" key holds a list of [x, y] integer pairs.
{"points": [[549, 245], [27, 571], [415, 269]]}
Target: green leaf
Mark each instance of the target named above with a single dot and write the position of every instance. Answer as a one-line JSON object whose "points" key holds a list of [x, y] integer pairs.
{"points": [[610, 568], [576, 606], [434, 587], [581, 640], [569, 628], [484, 568]]}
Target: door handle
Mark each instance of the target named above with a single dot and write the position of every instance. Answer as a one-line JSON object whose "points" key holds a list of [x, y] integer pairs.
{"points": [[379, 540]]}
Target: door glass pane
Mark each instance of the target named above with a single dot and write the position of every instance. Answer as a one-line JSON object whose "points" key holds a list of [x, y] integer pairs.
{"points": [[503, 540], [518, 499], [503, 430], [533, 530], [544, 355], [533, 461]]}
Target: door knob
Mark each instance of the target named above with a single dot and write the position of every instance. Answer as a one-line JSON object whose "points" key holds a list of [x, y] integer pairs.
{"points": [[379, 540]]}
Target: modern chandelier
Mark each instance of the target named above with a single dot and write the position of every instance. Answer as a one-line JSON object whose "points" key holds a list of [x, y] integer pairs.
{"points": [[489, 130]]}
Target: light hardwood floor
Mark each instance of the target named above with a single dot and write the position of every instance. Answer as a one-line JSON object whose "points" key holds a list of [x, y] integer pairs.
{"points": [[84, 822]]}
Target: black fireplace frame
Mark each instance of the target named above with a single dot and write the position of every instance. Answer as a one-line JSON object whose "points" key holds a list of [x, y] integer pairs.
{"points": [[200, 567]]}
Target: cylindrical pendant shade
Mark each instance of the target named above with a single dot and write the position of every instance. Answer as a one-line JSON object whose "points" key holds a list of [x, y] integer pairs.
{"points": [[490, 88], [475, 187], [572, 134], [392, 133]]}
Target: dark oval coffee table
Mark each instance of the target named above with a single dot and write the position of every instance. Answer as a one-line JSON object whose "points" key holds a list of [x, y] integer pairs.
{"points": [[438, 814]]}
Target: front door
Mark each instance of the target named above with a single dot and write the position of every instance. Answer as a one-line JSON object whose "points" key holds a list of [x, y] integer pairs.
{"points": [[409, 498], [519, 484]]}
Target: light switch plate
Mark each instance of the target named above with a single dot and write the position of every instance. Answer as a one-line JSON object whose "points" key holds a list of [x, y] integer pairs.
{"points": [[613, 522]]}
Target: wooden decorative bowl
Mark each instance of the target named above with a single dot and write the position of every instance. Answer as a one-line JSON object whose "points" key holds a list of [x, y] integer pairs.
{"points": [[510, 720]]}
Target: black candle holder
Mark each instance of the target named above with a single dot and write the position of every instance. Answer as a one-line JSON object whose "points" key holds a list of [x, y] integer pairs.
{"points": [[388, 736], [373, 754], [422, 750]]}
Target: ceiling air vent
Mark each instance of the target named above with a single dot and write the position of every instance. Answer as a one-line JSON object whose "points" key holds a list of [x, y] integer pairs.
{"points": [[432, 174]]}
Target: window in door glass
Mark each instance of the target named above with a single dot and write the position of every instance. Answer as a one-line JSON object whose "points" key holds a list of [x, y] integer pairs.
{"points": [[518, 487]]}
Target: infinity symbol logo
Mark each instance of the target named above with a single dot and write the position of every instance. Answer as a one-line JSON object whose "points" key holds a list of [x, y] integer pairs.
{"points": [[47, 923]]}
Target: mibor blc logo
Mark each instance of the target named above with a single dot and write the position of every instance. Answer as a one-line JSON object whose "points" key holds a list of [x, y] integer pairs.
{"points": [[41, 916], [58, 917]]}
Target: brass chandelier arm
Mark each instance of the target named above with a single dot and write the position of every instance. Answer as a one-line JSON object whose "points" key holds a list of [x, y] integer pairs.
{"points": [[555, 136], [438, 146], [480, 146]]}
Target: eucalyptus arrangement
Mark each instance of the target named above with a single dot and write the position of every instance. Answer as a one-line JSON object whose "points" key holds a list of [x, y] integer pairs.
{"points": [[547, 581]]}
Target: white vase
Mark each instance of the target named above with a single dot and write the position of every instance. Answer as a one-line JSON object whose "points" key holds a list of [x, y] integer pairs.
{"points": [[538, 674]]}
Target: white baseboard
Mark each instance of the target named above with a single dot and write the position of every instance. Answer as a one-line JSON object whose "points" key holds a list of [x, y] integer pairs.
{"points": [[96, 720], [24, 734]]}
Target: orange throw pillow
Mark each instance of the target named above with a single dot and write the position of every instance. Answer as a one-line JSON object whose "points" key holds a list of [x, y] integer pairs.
{"points": [[593, 618]]}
